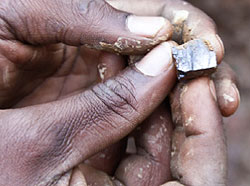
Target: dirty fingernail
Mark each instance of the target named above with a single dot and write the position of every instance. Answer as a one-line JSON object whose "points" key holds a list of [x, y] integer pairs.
{"points": [[157, 61], [148, 26]]}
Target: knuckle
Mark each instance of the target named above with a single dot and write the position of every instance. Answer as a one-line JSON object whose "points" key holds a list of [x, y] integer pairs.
{"points": [[124, 89], [85, 16], [92, 10], [117, 96], [98, 18], [5, 14], [18, 16]]}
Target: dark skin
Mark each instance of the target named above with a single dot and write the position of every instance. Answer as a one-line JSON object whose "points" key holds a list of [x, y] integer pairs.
{"points": [[61, 116]]}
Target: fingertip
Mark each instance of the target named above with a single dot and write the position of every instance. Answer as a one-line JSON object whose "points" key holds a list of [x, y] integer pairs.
{"points": [[237, 93], [109, 66], [166, 31], [215, 43], [141, 34], [157, 61], [219, 49], [94, 176], [227, 92], [77, 178], [189, 101], [229, 99]]}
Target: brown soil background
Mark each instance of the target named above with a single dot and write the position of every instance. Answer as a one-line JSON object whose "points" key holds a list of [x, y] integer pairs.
{"points": [[233, 20]]}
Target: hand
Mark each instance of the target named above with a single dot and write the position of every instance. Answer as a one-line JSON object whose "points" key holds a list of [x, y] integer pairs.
{"points": [[190, 150], [27, 57], [226, 94], [31, 44], [55, 116]]}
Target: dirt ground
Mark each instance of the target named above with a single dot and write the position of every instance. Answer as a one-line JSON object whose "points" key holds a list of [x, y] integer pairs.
{"points": [[233, 20]]}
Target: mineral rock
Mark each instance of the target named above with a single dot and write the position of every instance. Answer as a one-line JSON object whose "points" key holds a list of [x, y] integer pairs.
{"points": [[194, 59]]}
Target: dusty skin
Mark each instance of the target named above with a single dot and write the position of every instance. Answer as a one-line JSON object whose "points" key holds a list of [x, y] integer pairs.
{"points": [[62, 115]]}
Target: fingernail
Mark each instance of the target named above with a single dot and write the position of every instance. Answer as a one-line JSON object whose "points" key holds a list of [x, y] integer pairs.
{"points": [[147, 26], [221, 45], [212, 89], [237, 93], [157, 61], [230, 98]]}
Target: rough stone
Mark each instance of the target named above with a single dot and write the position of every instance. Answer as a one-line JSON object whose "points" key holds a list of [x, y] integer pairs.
{"points": [[194, 59]]}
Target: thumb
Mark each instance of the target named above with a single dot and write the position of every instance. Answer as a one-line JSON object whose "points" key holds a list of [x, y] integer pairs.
{"points": [[71, 130], [93, 23]]}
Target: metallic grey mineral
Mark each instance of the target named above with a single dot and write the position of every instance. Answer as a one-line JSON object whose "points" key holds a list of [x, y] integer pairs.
{"points": [[194, 59]]}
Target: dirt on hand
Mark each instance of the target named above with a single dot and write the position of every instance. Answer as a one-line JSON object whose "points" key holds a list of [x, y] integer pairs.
{"points": [[233, 20]]}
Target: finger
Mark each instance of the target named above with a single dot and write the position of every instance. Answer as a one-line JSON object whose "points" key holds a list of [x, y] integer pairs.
{"points": [[77, 178], [227, 92], [109, 66], [92, 23], [95, 177], [189, 22], [108, 159], [71, 130], [198, 149], [151, 164]]}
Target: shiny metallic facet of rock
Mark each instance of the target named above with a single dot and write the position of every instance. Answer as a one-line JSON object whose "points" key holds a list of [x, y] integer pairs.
{"points": [[194, 59]]}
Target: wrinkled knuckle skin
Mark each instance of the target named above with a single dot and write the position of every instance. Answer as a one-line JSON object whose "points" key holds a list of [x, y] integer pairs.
{"points": [[91, 13], [117, 97], [86, 21], [98, 17], [23, 19], [14, 14], [92, 9], [71, 22], [5, 27], [105, 103]]}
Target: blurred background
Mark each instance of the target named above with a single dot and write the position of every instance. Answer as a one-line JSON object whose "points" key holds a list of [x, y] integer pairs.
{"points": [[233, 20]]}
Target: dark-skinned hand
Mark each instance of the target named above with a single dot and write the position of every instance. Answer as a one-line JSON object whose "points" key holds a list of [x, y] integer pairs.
{"points": [[59, 109]]}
